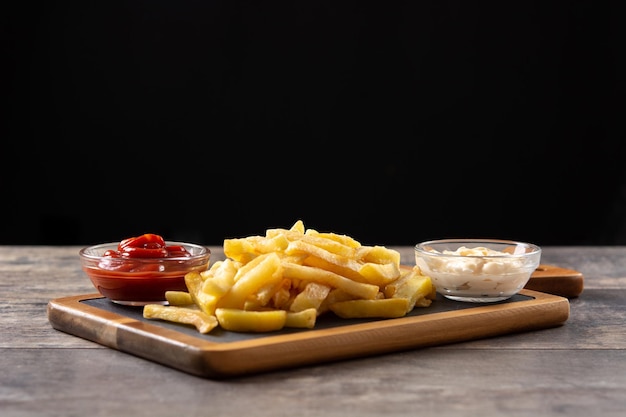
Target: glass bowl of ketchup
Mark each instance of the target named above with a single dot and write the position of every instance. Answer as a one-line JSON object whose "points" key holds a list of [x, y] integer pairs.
{"points": [[139, 270]]}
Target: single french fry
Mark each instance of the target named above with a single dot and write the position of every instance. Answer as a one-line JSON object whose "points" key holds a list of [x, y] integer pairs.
{"points": [[203, 322], [238, 320], [193, 281], [298, 226], [380, 274], [294, 232], [240, 249], [246, 249], [308, 273], [301, 246], [347, 272], [304, 319], [311, 297], [343, 239], [330, 245], [178, 298]]}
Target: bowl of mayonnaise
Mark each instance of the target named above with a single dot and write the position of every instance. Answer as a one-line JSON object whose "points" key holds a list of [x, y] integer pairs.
{"points": [[477, 270]]}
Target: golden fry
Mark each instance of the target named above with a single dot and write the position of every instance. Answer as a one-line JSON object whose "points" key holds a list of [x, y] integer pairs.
{"points": [[308, 273], [178, 298], [202, 321], [311, 297], [238, 320], [304, 319]]}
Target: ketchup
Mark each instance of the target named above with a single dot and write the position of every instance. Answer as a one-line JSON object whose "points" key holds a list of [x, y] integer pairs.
{"points": [[144, 268], [148, 245]]}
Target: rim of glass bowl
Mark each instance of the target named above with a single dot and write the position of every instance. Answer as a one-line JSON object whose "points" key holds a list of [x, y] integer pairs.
{"points": [[95, 252], [534, 249]]}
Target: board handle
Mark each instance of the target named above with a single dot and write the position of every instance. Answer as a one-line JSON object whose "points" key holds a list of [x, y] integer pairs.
{"points": [[555, 280]]}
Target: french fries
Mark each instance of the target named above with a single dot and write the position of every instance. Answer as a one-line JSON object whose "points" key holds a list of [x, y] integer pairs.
{"points": [[289, 277]]}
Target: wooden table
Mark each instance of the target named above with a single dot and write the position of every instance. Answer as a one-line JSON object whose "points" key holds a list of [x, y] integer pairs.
{"points": [[577, 369]]}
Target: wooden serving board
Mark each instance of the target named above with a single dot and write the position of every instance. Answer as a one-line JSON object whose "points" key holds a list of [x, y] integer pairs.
{"points": [[221, 354]]}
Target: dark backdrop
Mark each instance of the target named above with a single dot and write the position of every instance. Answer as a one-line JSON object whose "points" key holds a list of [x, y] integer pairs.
{"points": [[392, 122]]}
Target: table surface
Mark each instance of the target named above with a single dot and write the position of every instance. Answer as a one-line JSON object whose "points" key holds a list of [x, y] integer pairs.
{"points": [[577, 369]]}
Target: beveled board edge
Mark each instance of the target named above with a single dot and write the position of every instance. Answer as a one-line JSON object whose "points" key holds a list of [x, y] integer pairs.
{"points": [[222, 360]]}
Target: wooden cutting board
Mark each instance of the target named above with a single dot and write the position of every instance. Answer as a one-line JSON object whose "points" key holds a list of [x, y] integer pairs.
{"points": [[222, 354]]}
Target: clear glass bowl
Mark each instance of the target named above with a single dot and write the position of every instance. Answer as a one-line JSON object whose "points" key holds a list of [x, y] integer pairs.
{"points": [[477, 270], [141, 281]]}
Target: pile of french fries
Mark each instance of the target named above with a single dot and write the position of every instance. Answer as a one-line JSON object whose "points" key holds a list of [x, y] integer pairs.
{"points": [[289, 277]]}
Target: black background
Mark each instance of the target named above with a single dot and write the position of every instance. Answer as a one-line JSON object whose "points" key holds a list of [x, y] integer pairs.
{"points": [[392, 122]]}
